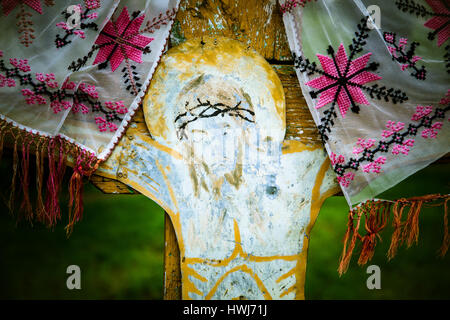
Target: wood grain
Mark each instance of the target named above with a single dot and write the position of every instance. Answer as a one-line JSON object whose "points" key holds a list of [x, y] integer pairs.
{"points": [[172, 271], [257, 23], [108, 186]]}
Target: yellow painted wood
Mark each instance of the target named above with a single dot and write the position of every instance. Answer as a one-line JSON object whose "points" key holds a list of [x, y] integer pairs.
{"points": [[299, 122], [257, 23], [172, 271], [156, 168], [107, 185]]}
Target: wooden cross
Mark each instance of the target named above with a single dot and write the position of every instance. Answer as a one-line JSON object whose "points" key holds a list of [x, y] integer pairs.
{"points": [[259, 25]]}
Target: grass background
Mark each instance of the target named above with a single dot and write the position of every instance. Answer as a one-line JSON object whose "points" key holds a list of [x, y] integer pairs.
{"points": [[119, 248]]}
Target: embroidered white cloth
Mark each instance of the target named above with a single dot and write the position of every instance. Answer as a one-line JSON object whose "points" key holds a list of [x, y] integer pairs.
{"points": [[378, 87], [77, 70]]}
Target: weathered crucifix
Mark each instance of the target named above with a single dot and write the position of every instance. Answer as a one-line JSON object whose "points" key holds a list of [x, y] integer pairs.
{"points": [[242, 201], [241, 220]]}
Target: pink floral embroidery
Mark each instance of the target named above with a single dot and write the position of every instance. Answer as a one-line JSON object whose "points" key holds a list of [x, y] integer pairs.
{"points": [[84, 25], [440, 22], [8, 81], [342, 80], [22, 64], [89, 89], [63, 25], [24, 23], [104, 125], [414, 59], [4, 81], [336, 159], [405, 56], [433, 131], [118, 106], [374, 166], [392, 127], [92, 4], [47, 79], [9, 5], [77, 107], [421, 112], [446, 99], [363, 144], [395, 135], [291, 4], [121, 40], [32, 97], [80, 33], [58, 105], [345, 179], [403, 148], [41, 89]]}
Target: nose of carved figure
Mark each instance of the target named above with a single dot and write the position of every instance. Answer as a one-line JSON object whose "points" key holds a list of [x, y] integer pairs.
{"points": [[236, 193]]}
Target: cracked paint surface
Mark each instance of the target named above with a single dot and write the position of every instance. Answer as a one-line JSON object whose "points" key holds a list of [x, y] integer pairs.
{"points": [[241, 200]]}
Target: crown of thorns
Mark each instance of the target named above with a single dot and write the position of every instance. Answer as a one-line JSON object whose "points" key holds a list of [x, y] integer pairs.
{"points": [[208, 110]]}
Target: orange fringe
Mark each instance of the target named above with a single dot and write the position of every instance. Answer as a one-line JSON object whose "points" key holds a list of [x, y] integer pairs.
{"points": [[58, 151], [376, 215]]}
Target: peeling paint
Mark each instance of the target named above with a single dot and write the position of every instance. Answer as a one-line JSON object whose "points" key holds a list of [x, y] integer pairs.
{"points": [[243, 231]]}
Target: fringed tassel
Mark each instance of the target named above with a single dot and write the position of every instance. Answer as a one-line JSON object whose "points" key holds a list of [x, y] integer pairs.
{"points": [[75, 201], [51, 202], [376, 215], [57, 150], [11, 203], [40, 207], [84, 166], [397, 211], [411, 229], [26, 206], [446, 241], [375, 221], [57, 166], [352, 232], [3, 128]]}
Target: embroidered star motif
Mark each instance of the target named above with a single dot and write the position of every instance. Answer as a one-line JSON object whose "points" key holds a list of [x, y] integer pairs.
{"points": [[121, 40], [9, 5], [440, 22], [342, 79]]}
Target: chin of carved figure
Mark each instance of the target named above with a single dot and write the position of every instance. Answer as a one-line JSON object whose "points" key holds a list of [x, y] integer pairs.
{"points": [[241, 200]]}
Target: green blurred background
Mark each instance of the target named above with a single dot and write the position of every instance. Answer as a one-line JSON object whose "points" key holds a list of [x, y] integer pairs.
{"points": [[119, 248]]}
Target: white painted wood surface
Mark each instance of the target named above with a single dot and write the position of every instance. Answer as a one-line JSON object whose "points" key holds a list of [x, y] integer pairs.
{"points": [[241, 200]]}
